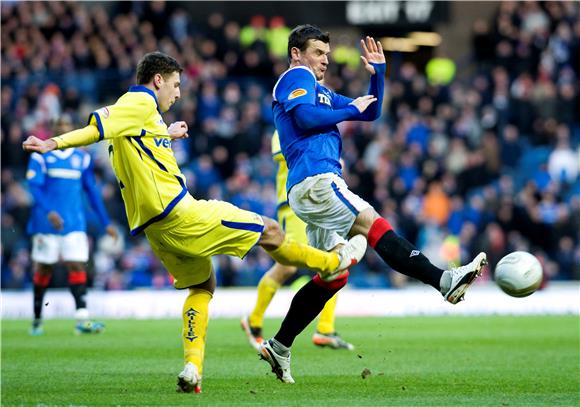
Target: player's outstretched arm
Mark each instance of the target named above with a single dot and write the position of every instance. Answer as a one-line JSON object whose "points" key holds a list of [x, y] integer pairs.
{"points": [[35, 145], [76, 138]]}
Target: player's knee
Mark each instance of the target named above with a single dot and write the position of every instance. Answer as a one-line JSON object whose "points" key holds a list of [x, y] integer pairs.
{"points": [[73, 266], [364, 221], [272, 236], [44, 269]]}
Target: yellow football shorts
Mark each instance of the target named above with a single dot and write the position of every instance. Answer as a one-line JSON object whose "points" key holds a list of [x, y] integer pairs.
{"points": [[195, 230], [292, 225]]}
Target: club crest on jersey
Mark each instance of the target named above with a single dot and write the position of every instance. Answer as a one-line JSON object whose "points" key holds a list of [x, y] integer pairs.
{"points": [[322, 98], [297, 93], [162, 142]]}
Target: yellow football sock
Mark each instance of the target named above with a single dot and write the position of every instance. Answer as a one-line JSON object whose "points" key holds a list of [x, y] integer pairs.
{"points": [[267, 287], [195, 317], [326, 321], [291, 253]]}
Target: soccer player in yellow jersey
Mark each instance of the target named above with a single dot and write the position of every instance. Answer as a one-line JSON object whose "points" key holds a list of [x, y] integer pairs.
{"points": [[182, 231], [295, 229]]}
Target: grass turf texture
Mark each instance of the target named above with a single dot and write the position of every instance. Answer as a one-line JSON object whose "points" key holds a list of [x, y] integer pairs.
{"points": [[415, 361]]}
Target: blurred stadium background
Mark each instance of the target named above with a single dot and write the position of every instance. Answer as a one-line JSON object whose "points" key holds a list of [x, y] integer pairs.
{"points": [[478, 146]]}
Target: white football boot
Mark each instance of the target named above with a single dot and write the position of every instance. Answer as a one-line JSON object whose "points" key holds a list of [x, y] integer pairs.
{"points": [[350, 254], [280, 364], [462, 277], [189, 380]]}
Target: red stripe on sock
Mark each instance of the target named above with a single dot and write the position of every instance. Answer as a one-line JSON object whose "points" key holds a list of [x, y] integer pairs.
{"points": [[377, 230], [332, 285], [42, 280], [77, 277]]}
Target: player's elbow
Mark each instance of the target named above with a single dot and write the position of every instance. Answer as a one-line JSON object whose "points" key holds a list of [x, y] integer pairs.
{"points": [[304, 117]]}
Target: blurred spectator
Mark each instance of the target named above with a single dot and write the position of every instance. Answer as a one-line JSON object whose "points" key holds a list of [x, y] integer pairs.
{"points": [[460, 157]]}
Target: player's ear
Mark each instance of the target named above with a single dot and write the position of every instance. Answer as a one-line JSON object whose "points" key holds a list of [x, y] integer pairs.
{"points": [[294, 53], [158, 80]]}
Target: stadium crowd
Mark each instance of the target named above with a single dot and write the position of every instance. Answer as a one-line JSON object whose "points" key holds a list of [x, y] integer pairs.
{"points": [[488, 161]]}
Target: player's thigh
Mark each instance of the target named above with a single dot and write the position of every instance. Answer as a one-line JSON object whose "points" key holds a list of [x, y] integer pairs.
{"points": [[186, 270], [327, 203], [74, 247], [323, 239], [207, 228], [45, 248], [292, 225]]}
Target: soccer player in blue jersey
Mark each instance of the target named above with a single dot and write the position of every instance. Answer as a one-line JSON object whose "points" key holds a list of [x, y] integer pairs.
{"points": [[306, 115], [184, 232], [58, 224]]}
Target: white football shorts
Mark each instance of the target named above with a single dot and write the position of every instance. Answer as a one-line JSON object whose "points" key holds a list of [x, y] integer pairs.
{"points": [[328, 207], [49, 249]]}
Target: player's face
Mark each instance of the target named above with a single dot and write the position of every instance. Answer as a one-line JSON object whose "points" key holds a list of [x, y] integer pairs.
{"points": [[315, 56], [168, 90]]}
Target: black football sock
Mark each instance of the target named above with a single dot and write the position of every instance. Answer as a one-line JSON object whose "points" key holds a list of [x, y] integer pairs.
{"points": [[401, 255], [41, 282], [306, 305], [38, 299], [78, 287]]}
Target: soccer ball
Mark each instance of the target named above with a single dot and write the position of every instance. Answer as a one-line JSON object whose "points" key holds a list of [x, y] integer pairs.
{"points": [[518, 274]]}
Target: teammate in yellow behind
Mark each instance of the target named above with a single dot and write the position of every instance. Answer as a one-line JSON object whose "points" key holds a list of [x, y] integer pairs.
{"points": [[278, 274], [182, 231]]}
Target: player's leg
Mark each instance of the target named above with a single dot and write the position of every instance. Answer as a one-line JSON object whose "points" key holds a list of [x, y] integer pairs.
{"points": [[74, 251], [171, 245], [195, 316], [269, 284], [326, 335], [274, 278], [291, 253], [305, 306], [44, 255], [405, 258], [41, 281]]}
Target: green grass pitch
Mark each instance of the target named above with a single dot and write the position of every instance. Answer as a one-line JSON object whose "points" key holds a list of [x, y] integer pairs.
{"points": [[414, 361]]}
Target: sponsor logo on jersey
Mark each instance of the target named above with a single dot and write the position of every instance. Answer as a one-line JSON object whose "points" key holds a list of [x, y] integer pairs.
{"points": [[162, 142], [323, 99], [414, 253], [297, 93]]}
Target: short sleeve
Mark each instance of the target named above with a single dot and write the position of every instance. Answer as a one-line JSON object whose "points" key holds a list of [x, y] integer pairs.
{"points": [[296, 87], [36, 171], [123, 118]]}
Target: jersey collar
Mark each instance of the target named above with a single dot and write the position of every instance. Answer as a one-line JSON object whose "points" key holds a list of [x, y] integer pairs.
{"points": [[141, 88], [63, 154]]}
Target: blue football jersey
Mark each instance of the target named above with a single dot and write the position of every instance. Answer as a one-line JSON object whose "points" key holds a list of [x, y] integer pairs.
{"points": [[307, 153], [57, 180]]}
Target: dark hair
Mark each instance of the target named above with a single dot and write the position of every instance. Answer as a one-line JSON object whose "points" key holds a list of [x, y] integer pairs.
{"points": [[156, 63], [301, 34]]}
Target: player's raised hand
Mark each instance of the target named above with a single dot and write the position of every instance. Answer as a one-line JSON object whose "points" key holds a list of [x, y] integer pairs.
{"points": [[178, 130], [34, 144], [372, 52], [361, 103]]}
